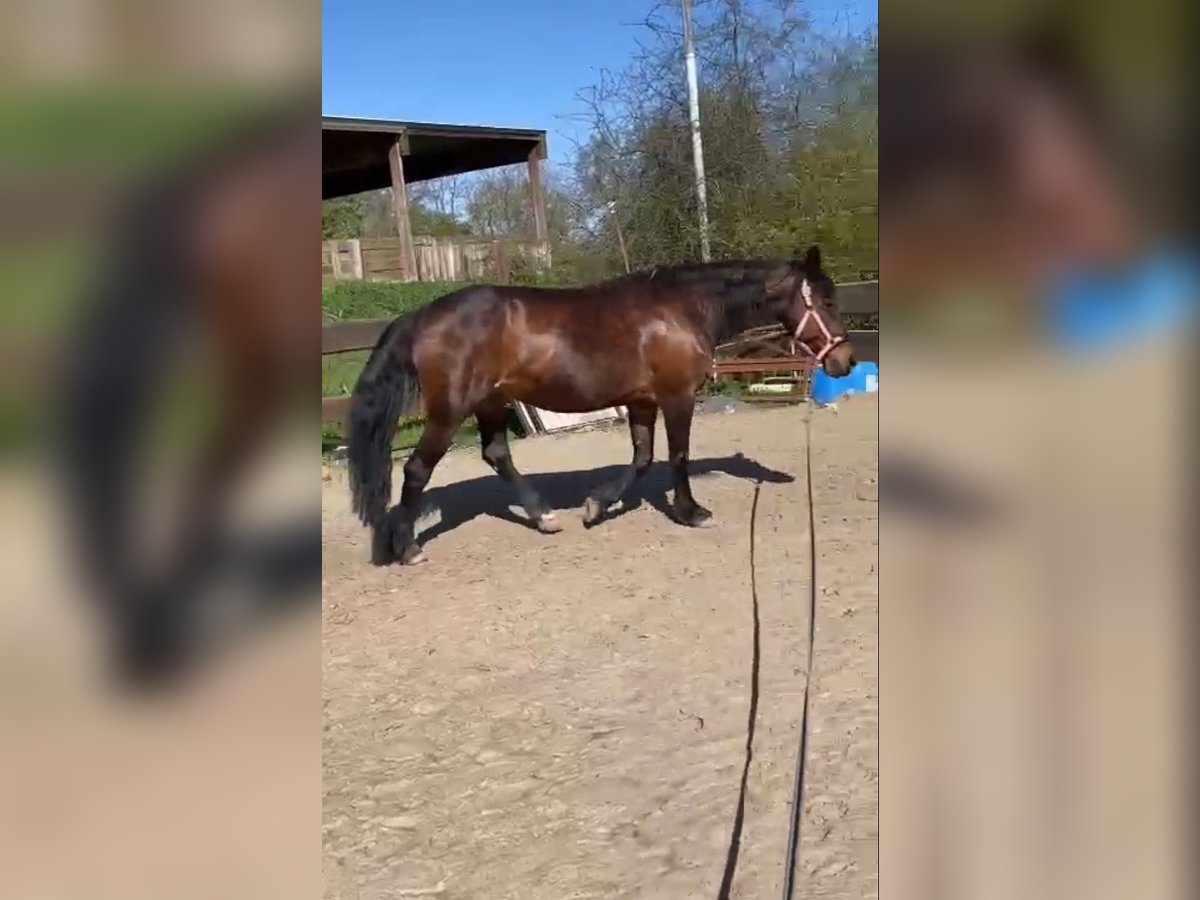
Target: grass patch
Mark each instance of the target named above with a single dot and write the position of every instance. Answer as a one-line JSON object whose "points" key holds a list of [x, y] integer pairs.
{"points": [[121, 129], [349, 300], [408, 432], [860, 321], [724, 387], [339, 372], [44, 284], [380, 299]]}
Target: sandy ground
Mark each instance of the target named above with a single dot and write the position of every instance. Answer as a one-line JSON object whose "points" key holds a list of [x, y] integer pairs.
{"points": [[208, 790], [531, 716]]}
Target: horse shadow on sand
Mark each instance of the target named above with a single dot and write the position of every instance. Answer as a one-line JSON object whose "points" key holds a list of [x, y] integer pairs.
{"points": [[489, 495]]}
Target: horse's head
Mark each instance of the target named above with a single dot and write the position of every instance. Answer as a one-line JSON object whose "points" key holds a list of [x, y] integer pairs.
{"points": [[806, 304]]}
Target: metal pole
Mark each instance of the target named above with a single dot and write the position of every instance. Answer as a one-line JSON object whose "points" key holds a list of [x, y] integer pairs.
{"points": [[612, 210], [689, 59]]}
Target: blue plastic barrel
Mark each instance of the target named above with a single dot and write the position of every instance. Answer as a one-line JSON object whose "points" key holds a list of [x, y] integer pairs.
{"points": [[862, 379], [1092, 311]]}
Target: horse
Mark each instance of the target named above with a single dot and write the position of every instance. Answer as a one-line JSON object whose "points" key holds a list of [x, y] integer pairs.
{"points": [[645, 341], [197, 250], [1005, 166]]}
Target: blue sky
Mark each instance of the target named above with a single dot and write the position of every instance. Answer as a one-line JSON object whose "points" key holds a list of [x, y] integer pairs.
{"points": [[518, 63]]}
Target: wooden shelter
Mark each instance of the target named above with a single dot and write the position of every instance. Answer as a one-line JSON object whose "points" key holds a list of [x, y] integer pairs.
{"points": [[369, 154]]}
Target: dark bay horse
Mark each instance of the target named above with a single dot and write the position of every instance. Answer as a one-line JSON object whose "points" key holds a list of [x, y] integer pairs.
{"points": [[203, 253], [644, 341]]}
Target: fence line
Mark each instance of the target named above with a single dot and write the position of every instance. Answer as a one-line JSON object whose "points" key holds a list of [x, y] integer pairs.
{"points": [[438, 258]]}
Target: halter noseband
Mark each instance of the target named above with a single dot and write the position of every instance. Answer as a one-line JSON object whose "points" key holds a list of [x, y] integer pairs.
{"points": [[810, 312]]}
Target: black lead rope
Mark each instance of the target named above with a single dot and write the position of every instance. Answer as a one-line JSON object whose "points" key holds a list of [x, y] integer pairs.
{"points": [[797, 810]]}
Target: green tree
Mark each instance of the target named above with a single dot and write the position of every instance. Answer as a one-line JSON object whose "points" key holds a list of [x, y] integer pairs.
{"points": [[433, 222], [342, 218], [789, 125], [500, 204]]}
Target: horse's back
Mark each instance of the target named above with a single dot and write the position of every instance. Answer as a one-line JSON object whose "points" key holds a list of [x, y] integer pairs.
{"points": [[563, 349]]}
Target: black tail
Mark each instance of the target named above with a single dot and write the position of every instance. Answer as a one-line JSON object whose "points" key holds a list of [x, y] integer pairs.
{"points": [[134, 317], [387, 388]]}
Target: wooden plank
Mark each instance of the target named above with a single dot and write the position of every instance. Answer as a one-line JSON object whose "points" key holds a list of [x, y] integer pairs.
{"points": [[758, 366], [866, 349], [791, 399], [445, 258], [408, 261], [858, 297], [389, 244], [866, 345], [525, 417], [360, 334], [379, 266], [342, 259], [537, 197], [500, 270], [550, 422], [335, 409]]}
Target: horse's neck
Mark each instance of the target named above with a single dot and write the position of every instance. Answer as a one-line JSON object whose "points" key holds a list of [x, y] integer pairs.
{"points": [[730, 316]]}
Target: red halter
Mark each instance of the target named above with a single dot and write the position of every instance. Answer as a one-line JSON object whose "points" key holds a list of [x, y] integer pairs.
{"points": [[810, 312]]}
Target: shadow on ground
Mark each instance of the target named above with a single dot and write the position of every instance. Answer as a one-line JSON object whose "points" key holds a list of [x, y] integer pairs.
{"points": [[488, 495], [915, 488]]}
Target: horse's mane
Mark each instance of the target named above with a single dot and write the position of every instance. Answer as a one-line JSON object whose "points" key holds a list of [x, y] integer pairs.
{"points": [[731, 272], [727, 283], [734, 290]]}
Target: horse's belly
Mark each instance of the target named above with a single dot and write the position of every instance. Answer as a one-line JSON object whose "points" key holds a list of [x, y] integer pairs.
{"points": [[562, 398], [572, 389]]}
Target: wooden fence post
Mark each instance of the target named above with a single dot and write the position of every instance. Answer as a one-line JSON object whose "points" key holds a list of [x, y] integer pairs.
{"points": [[537, 197], [408, 257]]}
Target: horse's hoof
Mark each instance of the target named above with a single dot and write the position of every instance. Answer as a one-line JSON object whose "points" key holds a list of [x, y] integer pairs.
{"points": [[548, 524], [697, 518], [413, 556], [593, 509]]}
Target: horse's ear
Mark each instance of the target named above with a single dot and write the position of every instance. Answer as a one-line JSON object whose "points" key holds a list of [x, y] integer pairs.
{"points": [[812, 262]]}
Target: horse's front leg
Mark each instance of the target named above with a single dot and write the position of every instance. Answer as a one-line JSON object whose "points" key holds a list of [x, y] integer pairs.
{"points": [[641, 432], [677, 416]]}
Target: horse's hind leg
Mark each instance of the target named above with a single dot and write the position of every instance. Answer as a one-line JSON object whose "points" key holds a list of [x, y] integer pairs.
{"points": [[493, 437], [641, 430], [435, 441]]}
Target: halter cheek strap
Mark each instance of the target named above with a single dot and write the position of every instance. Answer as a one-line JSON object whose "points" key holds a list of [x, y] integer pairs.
{"points": [[810, 312]]}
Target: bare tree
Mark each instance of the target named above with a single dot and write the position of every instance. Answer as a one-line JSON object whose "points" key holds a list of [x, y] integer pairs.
{"points": [[788, 128], [447, 195]]}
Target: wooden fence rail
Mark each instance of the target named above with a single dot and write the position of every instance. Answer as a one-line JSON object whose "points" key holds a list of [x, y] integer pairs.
{"points": [[440, 258]]}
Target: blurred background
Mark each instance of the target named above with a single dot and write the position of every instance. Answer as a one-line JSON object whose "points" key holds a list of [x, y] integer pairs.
{"points": [[1038, 278], [158, 489], [158, 177]]}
